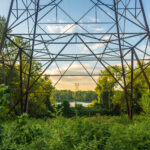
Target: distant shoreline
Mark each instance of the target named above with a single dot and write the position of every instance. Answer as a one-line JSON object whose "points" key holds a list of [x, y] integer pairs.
{"points": [[72, 104]]}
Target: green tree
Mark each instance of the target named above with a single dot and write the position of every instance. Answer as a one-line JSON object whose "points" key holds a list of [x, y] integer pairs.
{"points": [[4, 99], [37, 101], [106, 86]]}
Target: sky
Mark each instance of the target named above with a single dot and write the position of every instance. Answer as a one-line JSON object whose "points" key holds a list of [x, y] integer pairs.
{"points": [[75, 10], [4, 6]]}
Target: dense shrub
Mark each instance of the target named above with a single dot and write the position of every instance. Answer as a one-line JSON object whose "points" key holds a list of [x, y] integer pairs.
{"points": [[132, 136], [81, 111], [20, 133], [79, 133], [67, 111]]}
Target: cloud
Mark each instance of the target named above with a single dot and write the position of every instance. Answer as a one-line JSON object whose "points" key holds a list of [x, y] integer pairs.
{"points": [[93, 19], [94, 46], [99, 45], [67, 82], [94, 28], [85, 83], [99, 29], [142, 47], [110, 14], [61, 28], [71, 27], [74, 69]]}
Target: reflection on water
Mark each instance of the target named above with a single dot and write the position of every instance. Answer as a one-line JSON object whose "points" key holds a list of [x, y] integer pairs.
{"points": [[72, 104]]}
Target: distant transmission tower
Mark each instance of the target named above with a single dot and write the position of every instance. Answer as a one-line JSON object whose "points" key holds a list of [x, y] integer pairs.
{"points": [[77, 87], [76, 90]]}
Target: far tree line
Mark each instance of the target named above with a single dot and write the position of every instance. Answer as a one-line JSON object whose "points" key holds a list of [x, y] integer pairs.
{"points": [[80, 96]]}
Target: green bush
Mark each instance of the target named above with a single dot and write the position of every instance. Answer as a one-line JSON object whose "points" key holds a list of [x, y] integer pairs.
{"points": [[4, 100], [132, 136], [20, 133], [78, 133], [67, 111], [4, 96]]}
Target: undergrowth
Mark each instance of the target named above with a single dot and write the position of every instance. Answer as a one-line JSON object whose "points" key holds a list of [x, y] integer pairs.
{"points": [[78, 133]]}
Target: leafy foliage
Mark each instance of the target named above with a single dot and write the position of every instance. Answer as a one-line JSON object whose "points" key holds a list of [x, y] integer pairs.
{"points": [[67, 95], [79, 133], [4, 99]]}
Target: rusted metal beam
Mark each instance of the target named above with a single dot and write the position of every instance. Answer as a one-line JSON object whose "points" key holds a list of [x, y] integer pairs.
{"points": [[145, 19], [121, 57]]}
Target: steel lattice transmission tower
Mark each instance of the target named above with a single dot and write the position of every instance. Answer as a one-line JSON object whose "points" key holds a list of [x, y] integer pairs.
{"points": [[105, 33]]}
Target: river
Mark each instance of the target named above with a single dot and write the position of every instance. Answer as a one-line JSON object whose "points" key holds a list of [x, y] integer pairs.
{"points": [[72, 104]]}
